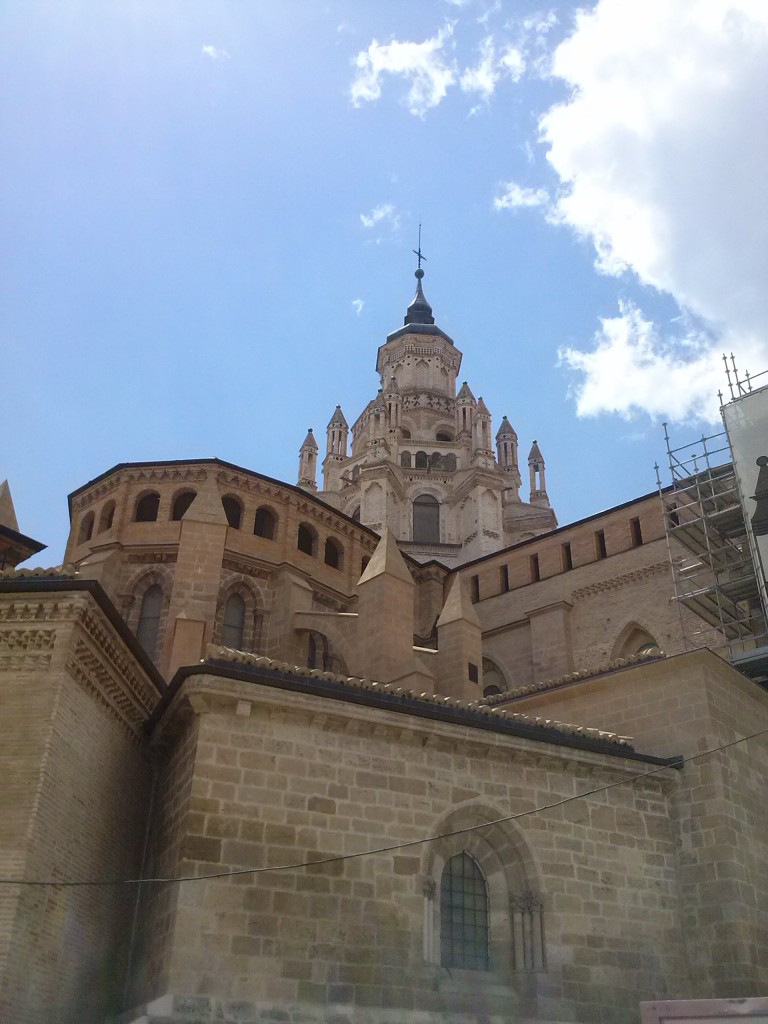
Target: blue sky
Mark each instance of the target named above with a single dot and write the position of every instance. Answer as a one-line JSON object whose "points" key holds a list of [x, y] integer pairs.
{"points": [[208, 211]]}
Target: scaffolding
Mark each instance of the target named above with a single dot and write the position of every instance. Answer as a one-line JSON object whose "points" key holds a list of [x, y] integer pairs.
{"points": [[712, 566]]}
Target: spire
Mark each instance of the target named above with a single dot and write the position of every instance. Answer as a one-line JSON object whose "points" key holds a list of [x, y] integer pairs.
{"points": [[337, 420], [419, 311], [465, 392], [538, 477], [7, 511], [308, 463], [505, 430]]}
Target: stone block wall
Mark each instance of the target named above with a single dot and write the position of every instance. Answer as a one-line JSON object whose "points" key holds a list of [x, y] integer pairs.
{"points": [[281, 778], [688, 705]]}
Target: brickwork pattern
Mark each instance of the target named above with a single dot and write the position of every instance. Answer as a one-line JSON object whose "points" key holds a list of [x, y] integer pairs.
{"points": [[73, 807]]}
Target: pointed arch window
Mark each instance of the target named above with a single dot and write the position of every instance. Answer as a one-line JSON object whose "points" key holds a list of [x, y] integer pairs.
{"points": [[265, 523], [333, 553], [107, 517], [234, 622], [233, 510], [426, 519], [149, 619], [86, 528], [181, 503], [147, 508], [305, 539], [463, 915]]}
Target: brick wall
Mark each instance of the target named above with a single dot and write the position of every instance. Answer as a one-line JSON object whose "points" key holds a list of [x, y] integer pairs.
{"points": [[74, 805]]}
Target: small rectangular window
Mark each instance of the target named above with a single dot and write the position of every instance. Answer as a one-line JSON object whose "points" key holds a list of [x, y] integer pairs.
{"points": [[475, 583], [600, 549], [567, 557], [474, 675], [504, 578], [534, 569], [636, 532]]}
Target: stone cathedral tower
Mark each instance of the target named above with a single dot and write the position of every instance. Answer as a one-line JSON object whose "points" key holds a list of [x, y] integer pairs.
{"points": [[422, 458]]}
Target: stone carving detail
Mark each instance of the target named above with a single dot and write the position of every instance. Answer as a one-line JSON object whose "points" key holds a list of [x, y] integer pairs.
{"points": [[638, 575], [25, 662], [100, 679], [44, 611], [526, 901], [27, 639]]}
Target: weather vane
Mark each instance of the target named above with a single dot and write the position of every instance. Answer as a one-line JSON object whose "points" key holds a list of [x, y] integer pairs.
{"points": [[417, 252]]}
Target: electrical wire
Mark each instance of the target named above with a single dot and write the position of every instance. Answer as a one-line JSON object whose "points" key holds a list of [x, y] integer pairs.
{"points": [[339, 858]]}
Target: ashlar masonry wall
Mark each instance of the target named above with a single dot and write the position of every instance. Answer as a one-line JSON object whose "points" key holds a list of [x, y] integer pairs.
{"points": [[280, 778], [692, 704]]}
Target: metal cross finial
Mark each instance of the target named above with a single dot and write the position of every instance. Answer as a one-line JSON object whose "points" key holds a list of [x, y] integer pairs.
{"points": [[417, 252]]}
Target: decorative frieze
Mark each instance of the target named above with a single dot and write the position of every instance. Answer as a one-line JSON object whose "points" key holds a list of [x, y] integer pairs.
{"points": [[636, 576]]}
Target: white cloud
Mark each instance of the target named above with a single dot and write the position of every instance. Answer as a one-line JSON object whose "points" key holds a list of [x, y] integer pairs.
{"points": [[633, 369], [661, 153], [422, 65], [214, 52], [512, 63], [515, 196], [483, 77], [385, 213], [357, 305]]}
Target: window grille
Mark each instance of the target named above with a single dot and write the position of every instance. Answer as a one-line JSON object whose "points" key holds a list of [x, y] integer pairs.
{"points": [[463, 915]]}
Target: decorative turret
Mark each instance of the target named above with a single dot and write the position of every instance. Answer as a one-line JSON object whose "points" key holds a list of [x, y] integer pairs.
{"points": [[338, 431], [379, 416], [481, 430], [538, 477], [308, 463], [336, 448], [14, 546], [506, 447], [394, 403], [465, 410]]}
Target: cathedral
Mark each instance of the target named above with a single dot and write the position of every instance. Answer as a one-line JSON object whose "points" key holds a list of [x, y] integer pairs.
{"points": [[400, 750]]}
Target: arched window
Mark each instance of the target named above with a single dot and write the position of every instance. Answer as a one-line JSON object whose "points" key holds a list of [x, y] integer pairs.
{"points": [[149, 619], [356, 514], [435, 460], [107, 517], [443, 435], [422, 460], [233, 510], [405, 460], [265, 523], [406, 434], [493, 679], [305, 540], [146, 508], [463, 915], [426, 519], [364, 564], [449, 462], [181, 503], [234, 622], [333, 553], [86, 528]]}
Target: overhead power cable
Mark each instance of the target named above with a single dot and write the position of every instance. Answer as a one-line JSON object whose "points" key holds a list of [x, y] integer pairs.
{"points": [[339, 858]]}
